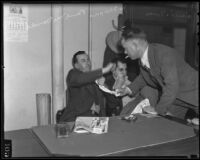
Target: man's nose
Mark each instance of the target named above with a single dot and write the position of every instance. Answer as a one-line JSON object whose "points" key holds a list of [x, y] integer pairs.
{"points": [[88, 63], [124, 72]]}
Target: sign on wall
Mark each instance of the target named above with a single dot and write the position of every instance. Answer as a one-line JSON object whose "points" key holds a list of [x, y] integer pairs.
{"points": [[15, 23]]}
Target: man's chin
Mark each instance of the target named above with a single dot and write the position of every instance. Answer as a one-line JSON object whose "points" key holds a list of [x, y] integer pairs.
{"points": [[87, 70]]}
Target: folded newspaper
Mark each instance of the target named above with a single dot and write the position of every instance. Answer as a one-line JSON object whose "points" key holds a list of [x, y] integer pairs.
{"points": [[103, 88], [96, 125], [144, 108]]}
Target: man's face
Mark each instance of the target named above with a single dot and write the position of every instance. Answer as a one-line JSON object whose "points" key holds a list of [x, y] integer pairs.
{"points": [[131, 48], [120, 70], [83, 63]]}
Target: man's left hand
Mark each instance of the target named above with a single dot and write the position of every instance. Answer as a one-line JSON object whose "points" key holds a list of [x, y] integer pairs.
{"points": [[95, 108]]}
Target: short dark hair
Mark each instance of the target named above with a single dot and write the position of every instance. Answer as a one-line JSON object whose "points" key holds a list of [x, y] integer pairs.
{"points": [[74, 59], [132, 33], [119, 59]]}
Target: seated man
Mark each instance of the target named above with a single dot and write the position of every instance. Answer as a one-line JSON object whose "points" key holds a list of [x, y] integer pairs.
{"points": [[85, 99], [116, 80], [170, 84]]}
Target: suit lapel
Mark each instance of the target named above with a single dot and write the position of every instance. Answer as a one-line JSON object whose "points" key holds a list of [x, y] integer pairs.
{"points": [[155, 68]]}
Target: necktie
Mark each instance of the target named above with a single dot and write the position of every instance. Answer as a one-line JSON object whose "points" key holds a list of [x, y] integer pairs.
{"points": [[148, 70], [144, 66]]}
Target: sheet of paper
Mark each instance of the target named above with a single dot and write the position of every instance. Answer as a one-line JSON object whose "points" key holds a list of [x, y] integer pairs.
{"points": [[103, 88], [140, 108]]}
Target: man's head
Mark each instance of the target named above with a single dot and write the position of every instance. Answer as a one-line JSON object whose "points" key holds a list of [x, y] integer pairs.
{"points": [[81, 61], [134, 42], [121, 67]]}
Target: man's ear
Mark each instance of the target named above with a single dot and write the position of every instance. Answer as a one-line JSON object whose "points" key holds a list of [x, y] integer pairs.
{"points": [[114, 74], [76, 66]]}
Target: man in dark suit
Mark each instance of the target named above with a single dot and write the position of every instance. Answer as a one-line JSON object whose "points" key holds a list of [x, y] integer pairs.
{"points": [[169, 79], [85, 98], [117, 79]]}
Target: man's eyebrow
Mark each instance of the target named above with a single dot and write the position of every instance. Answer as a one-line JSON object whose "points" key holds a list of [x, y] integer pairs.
{"points": [[83, 59]]}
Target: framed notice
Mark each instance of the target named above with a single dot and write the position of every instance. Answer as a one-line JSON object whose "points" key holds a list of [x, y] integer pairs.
{"points": [[15, 23]]}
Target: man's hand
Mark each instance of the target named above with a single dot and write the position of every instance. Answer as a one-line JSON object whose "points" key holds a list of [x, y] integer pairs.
{"points": [[95, 108], [169, 114], [119, 82], [124, 91], [194, 121], [101, 81], [108, 68]]}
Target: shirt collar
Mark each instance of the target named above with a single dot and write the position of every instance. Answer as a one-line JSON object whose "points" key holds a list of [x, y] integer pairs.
{"points": [[144, 58]]}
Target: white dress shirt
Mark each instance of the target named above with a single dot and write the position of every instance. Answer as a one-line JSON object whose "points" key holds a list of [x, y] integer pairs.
{"points": [[144, 58]]}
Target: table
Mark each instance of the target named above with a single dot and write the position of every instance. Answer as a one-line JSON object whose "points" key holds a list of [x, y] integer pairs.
{"points": [[26, 144]]}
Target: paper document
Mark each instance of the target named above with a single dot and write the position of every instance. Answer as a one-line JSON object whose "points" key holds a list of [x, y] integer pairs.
{"points": [[103, 88], [96, 125], [144, 107]]}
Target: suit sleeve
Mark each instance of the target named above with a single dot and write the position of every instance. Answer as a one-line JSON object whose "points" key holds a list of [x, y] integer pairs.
{"points": [[77, 79], [171, 84], [137, 84]]}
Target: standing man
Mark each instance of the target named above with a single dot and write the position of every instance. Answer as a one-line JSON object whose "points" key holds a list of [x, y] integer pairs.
{"points": [[165, 78], [85, 98]]}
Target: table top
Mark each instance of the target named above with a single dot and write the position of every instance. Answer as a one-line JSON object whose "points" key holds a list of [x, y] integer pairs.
{"points": [[26, 144]]}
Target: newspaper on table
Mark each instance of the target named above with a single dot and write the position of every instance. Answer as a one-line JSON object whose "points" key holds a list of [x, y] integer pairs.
{"points": [[96, 125]]}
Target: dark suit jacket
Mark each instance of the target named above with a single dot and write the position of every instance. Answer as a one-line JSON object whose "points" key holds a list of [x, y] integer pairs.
{"points": [[170, 73], [111, 100], [83, 92]]}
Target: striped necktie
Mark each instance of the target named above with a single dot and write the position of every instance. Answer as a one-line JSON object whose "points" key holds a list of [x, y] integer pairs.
{"points": [[144, 66]]}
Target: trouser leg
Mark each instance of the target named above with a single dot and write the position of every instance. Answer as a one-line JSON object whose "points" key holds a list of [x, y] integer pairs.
{"points": [[184, 110], [150, 93], [177, 110]]}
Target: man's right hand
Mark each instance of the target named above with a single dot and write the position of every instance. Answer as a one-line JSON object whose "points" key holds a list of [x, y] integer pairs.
{"points": [[108, 68]]}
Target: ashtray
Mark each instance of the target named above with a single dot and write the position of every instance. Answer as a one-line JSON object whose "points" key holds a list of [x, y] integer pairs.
{"points": [[130, 118]]}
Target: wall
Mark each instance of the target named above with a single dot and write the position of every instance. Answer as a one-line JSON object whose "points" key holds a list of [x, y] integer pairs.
{"points": [[101, 24], [27, 71], [75, 32], [77, 36]]}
